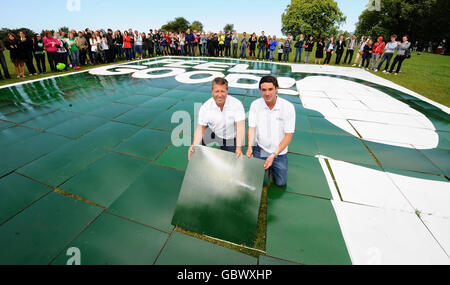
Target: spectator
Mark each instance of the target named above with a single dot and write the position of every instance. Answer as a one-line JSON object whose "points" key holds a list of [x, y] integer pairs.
{"points": [[151, 50], [235, 41], [182, 43], [221, 39], [244, 42], [401, 54], [74, 52], [51, 49], [350, 49], [196, 38], [388, 53], [280, 49], [61, 51], [39, 53], [16, 55], [262, 45], [319, 51], [3, 62], [94, 43], [340, 45], [367, 54], [228, 39], [127, 45], [287, 47], [63, 56], [118, 45], [331, 46], [138, 41], [26, 46], [204, 44], [110, 39], [378, 48], [360, 51], [190, 40], [299, 48], [308, 48], [272, 47], [104, 50], [82, 46], [252, 46], [269, 38]]}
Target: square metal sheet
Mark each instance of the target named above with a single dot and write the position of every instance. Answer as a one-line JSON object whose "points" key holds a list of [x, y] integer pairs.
{"points": [[221, 195]]}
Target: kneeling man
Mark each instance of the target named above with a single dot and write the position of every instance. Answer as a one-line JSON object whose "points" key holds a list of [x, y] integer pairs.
{"points": [[271, 126], [222, 120]]}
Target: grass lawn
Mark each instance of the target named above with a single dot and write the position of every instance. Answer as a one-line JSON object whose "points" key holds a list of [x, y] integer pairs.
{"points": [[426, 74]]}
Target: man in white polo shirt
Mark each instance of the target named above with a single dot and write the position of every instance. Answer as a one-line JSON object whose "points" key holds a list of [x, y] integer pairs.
{"points": [[222, 120], [271, 127]]}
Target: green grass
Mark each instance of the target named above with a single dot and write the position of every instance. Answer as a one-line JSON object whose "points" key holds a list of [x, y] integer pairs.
{"points": [[426, 74]]}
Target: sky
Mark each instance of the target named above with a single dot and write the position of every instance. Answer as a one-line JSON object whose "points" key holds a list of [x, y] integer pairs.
{"points": [[142, 15]]}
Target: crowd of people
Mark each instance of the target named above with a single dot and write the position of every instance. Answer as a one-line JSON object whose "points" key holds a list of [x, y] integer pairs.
{"points": [[76, 49]]}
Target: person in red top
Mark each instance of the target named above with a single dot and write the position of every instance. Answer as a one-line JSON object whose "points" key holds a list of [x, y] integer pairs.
{"points": [[127, 45], [51, 49], [377, 50]]}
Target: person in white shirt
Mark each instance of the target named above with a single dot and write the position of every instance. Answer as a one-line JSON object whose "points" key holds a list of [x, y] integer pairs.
{"points": [[221, 120], [271, 128]]}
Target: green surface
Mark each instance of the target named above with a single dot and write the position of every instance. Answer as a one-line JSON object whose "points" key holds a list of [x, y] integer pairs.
{"points": [[146, 144], [185, 250], [103, 181], [220, 196], [16, 193], [111, 240], [109, 135], [304, 230], [65, 162], [175, 157], [39, 233], [305, 176], [151, 198], [25, 151], [344, 148], [402, 158], [139, 116]]}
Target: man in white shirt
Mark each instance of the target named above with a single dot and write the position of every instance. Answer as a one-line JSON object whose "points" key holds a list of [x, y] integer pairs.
{"points": [[271, 127], [222, 119]]}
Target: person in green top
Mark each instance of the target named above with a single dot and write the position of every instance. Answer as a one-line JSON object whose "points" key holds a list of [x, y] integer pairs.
{"points": [[74, 52], [221, 39], [39, 53]]}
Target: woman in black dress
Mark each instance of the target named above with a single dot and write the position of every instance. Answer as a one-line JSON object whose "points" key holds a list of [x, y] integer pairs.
{"points": [[252, 46], [27, 48], [16, 54], [319, 51]]}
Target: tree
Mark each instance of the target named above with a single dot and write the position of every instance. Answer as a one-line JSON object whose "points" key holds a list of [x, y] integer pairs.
{"points": [[64, 29], [228, 27], [196, 26], [319, 18], [425, 21], [5, 31], [177, 25]]}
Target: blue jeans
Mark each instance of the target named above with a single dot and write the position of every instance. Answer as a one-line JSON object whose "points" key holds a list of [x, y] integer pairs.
{"points": [[388, 57], [75, 58], [272, 55], [263, 49], [298, 52], [279, 167], [286, 54]]}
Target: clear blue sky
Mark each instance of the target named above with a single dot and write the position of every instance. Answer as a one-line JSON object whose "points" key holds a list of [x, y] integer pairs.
{"points": [[246, 15]]}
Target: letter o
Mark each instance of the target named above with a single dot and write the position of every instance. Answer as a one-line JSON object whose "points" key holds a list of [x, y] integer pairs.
{"points": [[146, 73], [186, 77]]}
